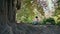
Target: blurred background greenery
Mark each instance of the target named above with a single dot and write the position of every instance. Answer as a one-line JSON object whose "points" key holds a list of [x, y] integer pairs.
{"points": [[31, 8]]}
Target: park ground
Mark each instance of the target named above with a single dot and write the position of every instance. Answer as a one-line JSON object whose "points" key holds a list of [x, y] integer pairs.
{"points": [[22, 28]]}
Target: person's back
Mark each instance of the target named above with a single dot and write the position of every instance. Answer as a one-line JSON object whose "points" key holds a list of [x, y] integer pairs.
{"points": [[35, 21]]}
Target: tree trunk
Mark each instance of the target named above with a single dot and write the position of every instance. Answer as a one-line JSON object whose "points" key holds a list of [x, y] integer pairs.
{"points": [[8, 11], [11, 11], [7, 15], [12, 5], [3, 12]]}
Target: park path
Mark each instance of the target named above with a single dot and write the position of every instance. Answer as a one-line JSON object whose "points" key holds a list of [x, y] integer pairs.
{"points": [[21, 28], [39, 29]]}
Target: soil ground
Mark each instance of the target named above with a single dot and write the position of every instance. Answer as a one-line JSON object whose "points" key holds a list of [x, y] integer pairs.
{"points": [[22, 28]]}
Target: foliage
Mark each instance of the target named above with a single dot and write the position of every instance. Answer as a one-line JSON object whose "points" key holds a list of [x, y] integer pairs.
{"points": [[57, 13], [57, 18], [48, 21], [30, 8], [51, 20], [58, 1], [43, 21], [26, 11]]}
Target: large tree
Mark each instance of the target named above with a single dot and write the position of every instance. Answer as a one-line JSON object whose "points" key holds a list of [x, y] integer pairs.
{"points": [[7, 14], [8, 10], [12, 5]]}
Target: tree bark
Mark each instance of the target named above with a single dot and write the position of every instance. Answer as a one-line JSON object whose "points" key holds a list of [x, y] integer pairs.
{"points": [[7, 16], [3, 12], [8, 11], [12, 9]]}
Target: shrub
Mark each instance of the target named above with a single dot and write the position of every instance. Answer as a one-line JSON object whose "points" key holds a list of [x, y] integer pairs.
{"points": [[50, 20], [58, 23]]}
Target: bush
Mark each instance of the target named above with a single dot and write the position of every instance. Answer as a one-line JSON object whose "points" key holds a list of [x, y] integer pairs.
{"points": [[43, 21], [51, 21], [58, 23], [57, 18], [48, 21]]}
